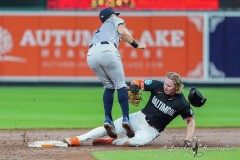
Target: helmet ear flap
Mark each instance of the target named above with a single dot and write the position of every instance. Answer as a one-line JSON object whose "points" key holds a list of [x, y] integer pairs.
{"points": [[195, 97]]}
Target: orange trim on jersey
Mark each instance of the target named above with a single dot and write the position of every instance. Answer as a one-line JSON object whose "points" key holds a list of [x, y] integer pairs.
{"points": [[137, 82], [140, 83], [188, 119]]}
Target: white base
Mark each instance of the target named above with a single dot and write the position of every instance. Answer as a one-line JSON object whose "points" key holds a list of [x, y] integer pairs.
{"points": [[47, 144]]}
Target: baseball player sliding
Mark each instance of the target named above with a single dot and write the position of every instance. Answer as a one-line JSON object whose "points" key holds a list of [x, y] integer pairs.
{"points": [[165, 103], [105, 61]]}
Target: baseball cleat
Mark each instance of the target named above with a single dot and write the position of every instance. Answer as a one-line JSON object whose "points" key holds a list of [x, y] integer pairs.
{"points": [[128, 127], [103, 141], [72, 141], [110, 128]]}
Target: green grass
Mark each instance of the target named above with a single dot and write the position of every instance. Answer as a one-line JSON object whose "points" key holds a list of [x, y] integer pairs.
{"points": [[52, 107], [81, 107], [170, 154]]}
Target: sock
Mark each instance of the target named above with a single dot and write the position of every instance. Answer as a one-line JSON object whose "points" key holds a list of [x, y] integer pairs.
{"points": [[123, 101], [108, 102]]}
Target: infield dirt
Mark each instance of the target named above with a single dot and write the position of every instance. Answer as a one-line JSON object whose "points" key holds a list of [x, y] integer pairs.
{"points": [[14, 143]]}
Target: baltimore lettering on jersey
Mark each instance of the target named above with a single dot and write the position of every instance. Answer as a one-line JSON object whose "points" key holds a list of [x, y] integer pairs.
{"points": [[163, 107]]}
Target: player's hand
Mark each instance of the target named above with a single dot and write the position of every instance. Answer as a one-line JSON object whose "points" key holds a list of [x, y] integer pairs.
{"points": [[187, 143], [142, 45], [193, 144]]}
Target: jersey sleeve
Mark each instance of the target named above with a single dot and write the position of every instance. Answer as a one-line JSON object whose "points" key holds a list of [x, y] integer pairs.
{"points": [[149, 85], [187, 113], [118, 21]]}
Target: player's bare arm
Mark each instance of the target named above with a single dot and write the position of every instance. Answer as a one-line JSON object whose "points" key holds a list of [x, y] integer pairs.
{"points": [[190, 129], [126, 36]]}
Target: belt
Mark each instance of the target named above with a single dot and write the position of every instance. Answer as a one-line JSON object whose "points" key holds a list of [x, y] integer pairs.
{"points": [[104, 42]]}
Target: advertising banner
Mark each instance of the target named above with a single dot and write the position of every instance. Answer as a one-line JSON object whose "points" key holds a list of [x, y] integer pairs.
{"points": [[224, 46], [56, 45]]}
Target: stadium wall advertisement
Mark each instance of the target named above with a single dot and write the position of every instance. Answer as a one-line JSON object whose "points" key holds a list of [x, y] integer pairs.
{"points": [[52, 46], [224, 46]]}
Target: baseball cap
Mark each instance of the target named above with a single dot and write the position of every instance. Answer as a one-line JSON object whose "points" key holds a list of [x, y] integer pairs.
{"points": [[195, 97], [105, 13]]}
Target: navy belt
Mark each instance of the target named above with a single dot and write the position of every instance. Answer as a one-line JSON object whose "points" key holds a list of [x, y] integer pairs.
{"points": [[104, 42]]}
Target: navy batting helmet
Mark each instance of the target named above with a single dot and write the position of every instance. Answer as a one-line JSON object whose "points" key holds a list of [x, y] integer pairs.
{"points": [[106, 13], [195, 98]]}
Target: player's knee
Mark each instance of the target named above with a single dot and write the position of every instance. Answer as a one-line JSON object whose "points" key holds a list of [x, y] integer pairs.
{"points": [[108, 85]]}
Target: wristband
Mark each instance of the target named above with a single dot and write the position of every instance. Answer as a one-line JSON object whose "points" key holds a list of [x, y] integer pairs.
{"points": [[134, 44]]}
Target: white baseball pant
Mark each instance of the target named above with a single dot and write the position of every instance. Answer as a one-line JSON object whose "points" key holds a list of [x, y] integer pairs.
{"points": [[144, 133]]}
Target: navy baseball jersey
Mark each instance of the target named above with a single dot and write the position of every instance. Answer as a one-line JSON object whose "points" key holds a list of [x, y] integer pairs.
{"points": [[161, 109]]}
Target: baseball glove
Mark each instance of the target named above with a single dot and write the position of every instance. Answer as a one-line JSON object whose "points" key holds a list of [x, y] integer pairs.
{"points": [[134, 95]]}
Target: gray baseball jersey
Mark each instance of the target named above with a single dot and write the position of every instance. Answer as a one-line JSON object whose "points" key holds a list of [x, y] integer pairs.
{"points": [[104, 58], [108, 31]]}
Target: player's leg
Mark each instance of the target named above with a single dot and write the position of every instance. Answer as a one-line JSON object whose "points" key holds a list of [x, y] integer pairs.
{"points": [[109, 140], [89, 136], [108, 95], [144, 133], [143, 136], [108, 104], [135, 121], [115, 72], [119, 130], [111, 65]]}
